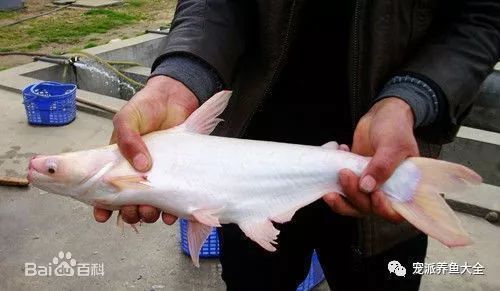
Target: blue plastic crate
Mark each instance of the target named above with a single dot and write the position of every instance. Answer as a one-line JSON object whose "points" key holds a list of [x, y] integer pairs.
{"points": [[211, 247], [50, 103], [211, 250], [315, 275]]}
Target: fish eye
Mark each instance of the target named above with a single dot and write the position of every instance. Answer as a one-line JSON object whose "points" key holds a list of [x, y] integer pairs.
{"points": [[51, 167]]}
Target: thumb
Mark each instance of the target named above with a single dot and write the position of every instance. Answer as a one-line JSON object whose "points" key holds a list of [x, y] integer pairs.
{"points": [[130, 143], [380, 168], [177, 114]]}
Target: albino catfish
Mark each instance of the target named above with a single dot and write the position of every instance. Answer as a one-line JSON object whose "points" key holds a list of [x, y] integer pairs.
{"points": [[213, 180]]}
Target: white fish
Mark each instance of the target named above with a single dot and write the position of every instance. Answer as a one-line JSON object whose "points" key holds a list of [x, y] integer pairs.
{"points": [[213, 180]]}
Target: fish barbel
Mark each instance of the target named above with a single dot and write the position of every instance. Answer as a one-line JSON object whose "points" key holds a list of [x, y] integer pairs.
{"points": [[212, 180]]}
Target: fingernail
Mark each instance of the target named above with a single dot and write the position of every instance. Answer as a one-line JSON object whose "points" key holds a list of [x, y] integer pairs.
{"points": [[140, 162], [367, 184]]}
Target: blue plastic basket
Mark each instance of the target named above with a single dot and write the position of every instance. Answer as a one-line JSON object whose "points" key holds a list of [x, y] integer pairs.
{"points": [[315, 275], [211, 250], [50, 103]]}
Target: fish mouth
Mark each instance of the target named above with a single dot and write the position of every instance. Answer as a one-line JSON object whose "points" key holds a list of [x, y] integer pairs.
{"points": [[32, 174], [32, 170]]}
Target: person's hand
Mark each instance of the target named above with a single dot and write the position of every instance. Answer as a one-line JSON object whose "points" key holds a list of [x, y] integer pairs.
{"points": [[386, 133], [161, 104]]}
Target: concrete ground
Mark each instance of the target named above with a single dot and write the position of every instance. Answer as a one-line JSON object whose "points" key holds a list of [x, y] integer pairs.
{"points": [[35, 226]]}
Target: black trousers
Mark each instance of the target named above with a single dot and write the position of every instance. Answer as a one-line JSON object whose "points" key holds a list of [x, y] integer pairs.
{"points": [[246, 266]]}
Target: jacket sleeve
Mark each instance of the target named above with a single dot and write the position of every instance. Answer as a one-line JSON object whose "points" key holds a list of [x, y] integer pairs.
{"points": [[195, 74], [213, 31], [459, 57], [421, 98]]}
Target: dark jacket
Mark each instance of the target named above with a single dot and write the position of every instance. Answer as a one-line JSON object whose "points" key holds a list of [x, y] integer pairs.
{"points": [[452, 45]]}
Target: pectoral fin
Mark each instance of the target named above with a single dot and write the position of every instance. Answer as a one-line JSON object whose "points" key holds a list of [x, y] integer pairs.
{"points": [[121, 224], [131, 182], [119, 221], [262, 232], [197, 235]]}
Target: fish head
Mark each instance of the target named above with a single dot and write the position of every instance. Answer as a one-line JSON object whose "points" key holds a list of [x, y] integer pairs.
{"points": [[65, 174]]}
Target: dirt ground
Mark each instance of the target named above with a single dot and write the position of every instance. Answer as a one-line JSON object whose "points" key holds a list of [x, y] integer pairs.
{"points": [[155, 13]]}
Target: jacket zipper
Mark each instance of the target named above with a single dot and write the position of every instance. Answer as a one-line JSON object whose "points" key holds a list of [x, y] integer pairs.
{"points": [[358, 245], [279, 66], [286, 43], [355, 103]]}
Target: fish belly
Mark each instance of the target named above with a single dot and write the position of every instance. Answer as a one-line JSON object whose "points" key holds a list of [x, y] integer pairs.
{"points": [[242, 179]]}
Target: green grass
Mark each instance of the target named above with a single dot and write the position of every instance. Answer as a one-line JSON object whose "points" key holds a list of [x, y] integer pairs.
{"points": [[69, 30], [135, 3], [93, 21], [7, 14], [89, 45], [75, 50], [66, 29], [33, 46]]}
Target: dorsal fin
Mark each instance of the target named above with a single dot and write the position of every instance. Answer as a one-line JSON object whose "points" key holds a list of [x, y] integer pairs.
{"points": [[204, 119]]}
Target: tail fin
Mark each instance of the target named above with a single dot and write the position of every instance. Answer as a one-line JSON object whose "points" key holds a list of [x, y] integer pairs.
{"points": [[427, 210]]}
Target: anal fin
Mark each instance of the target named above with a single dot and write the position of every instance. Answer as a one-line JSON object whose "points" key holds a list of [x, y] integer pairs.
{"points": [[262, 232], [284, 217], [197, 235]]}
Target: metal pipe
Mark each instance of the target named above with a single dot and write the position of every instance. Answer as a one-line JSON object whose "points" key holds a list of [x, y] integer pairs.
{"points": [[57, 61], [164, 32], [32, 55]]}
